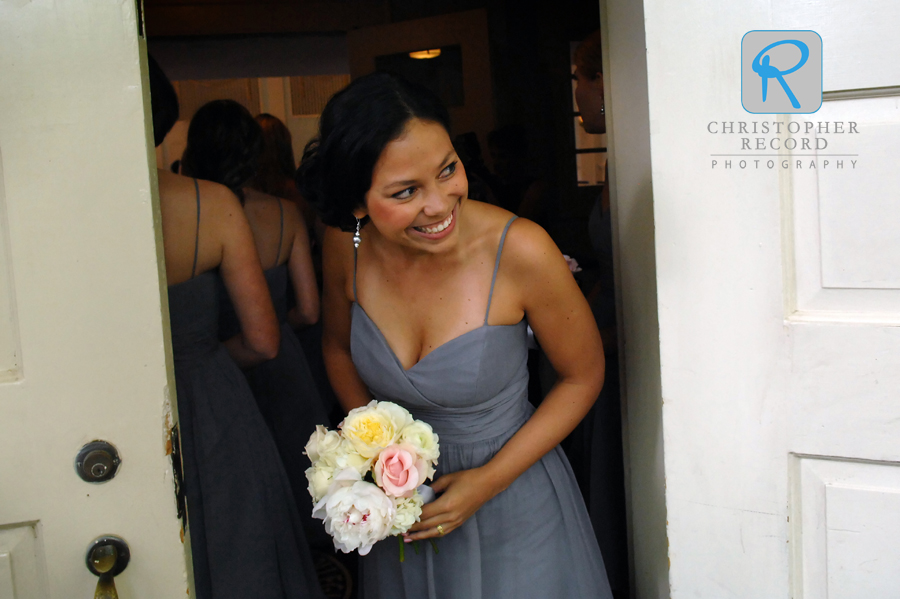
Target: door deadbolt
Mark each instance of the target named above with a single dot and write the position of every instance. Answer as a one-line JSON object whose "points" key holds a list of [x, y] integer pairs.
{"points": [[97, 462]]}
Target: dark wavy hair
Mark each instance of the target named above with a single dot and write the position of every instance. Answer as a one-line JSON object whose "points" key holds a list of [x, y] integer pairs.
{"points": [[276, 164], [163, 102], [223, 145], [356, 125]]}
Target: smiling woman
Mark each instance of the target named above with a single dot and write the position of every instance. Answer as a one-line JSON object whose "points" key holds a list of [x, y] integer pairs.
{"points": [[429, 311]]}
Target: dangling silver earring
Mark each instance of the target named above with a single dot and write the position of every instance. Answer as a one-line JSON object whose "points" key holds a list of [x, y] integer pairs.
{"points": [[356, 238]]}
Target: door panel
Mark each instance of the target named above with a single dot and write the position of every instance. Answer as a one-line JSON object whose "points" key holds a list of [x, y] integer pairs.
{"points": [[844, 217], [848, 514], [861, 42], [83, 348], [22, 574], [778, 295]]}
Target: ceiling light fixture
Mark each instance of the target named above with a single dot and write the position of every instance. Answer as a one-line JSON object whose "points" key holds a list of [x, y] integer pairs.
{"points": [[422, 54]]}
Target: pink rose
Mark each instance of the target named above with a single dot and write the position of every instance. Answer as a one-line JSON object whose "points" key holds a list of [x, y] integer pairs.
{"points": [[399, 470]]}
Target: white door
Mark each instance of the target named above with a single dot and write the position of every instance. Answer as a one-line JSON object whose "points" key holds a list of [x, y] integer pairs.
{"points": [[777, 297], [82, 343]]}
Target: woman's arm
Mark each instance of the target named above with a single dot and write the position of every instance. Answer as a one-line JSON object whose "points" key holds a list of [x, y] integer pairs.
{"points": [[242, 274], [561, 319], [337, 266], [302, 272]]}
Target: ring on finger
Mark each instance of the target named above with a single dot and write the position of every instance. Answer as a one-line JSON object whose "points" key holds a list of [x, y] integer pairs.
{"points": [[440, 529]]}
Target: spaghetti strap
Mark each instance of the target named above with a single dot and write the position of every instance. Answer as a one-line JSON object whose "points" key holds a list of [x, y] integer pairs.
{"points": [[197, 234], [496, 268], [280, 232]]}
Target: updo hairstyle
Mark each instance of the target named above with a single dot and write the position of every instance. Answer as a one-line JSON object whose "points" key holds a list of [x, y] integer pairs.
{"points": [[356, 125], [223, 145]]}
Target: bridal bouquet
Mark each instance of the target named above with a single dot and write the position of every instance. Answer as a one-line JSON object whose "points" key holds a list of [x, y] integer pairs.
{"points": [[365, 477]]}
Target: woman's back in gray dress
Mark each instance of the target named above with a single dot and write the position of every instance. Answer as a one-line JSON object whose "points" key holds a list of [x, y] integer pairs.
{"points": [[246, 535], [533, 540]]}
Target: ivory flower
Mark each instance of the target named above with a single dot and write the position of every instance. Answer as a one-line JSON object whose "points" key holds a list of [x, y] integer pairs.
{"points": [[322, 443], [357, 514], [423, 438], [346, 456], [320, 478]]}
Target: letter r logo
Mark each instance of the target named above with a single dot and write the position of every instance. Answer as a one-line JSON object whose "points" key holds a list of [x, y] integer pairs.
{"points": [[781, 72]]}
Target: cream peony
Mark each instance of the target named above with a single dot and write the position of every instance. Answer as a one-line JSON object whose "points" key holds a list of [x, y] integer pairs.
{"points": [[357, 514], [375, 426], [423, 438], [409, 511]]}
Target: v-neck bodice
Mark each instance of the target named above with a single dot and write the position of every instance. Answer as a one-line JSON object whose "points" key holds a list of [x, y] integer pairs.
{"points": [[472, 387]]}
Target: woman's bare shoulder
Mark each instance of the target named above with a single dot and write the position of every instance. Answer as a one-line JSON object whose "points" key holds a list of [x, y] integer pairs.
{"points": [[523, 235], [486, 221], [529, 247]]}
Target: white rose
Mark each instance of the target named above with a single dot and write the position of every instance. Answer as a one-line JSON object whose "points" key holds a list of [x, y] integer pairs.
{"points": [[357, 514], [409, 511], [421, 436], [322, 443], [375, 426], [320, 478]]}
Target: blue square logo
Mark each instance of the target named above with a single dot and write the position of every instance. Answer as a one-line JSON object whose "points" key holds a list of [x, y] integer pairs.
{"points": [[781, 72]]}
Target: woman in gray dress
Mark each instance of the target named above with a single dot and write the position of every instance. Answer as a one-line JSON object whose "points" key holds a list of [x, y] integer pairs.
{"points": [[224, 147], [429, 311]]}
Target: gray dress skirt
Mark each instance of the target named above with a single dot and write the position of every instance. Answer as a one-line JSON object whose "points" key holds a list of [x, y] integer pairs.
{"points": [[532, 541]]}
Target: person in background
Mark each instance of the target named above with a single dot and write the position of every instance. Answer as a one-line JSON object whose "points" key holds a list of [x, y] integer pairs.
{"points": [[245, 535], [602, 472], [275, 175], [224, 143]]}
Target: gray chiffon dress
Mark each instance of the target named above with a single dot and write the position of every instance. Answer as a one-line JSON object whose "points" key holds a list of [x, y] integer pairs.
{"points": [[246, 535], [533, 540]]}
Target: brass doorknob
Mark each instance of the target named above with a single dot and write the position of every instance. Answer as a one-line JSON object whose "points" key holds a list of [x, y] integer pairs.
{"points": [[107, 556]]}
